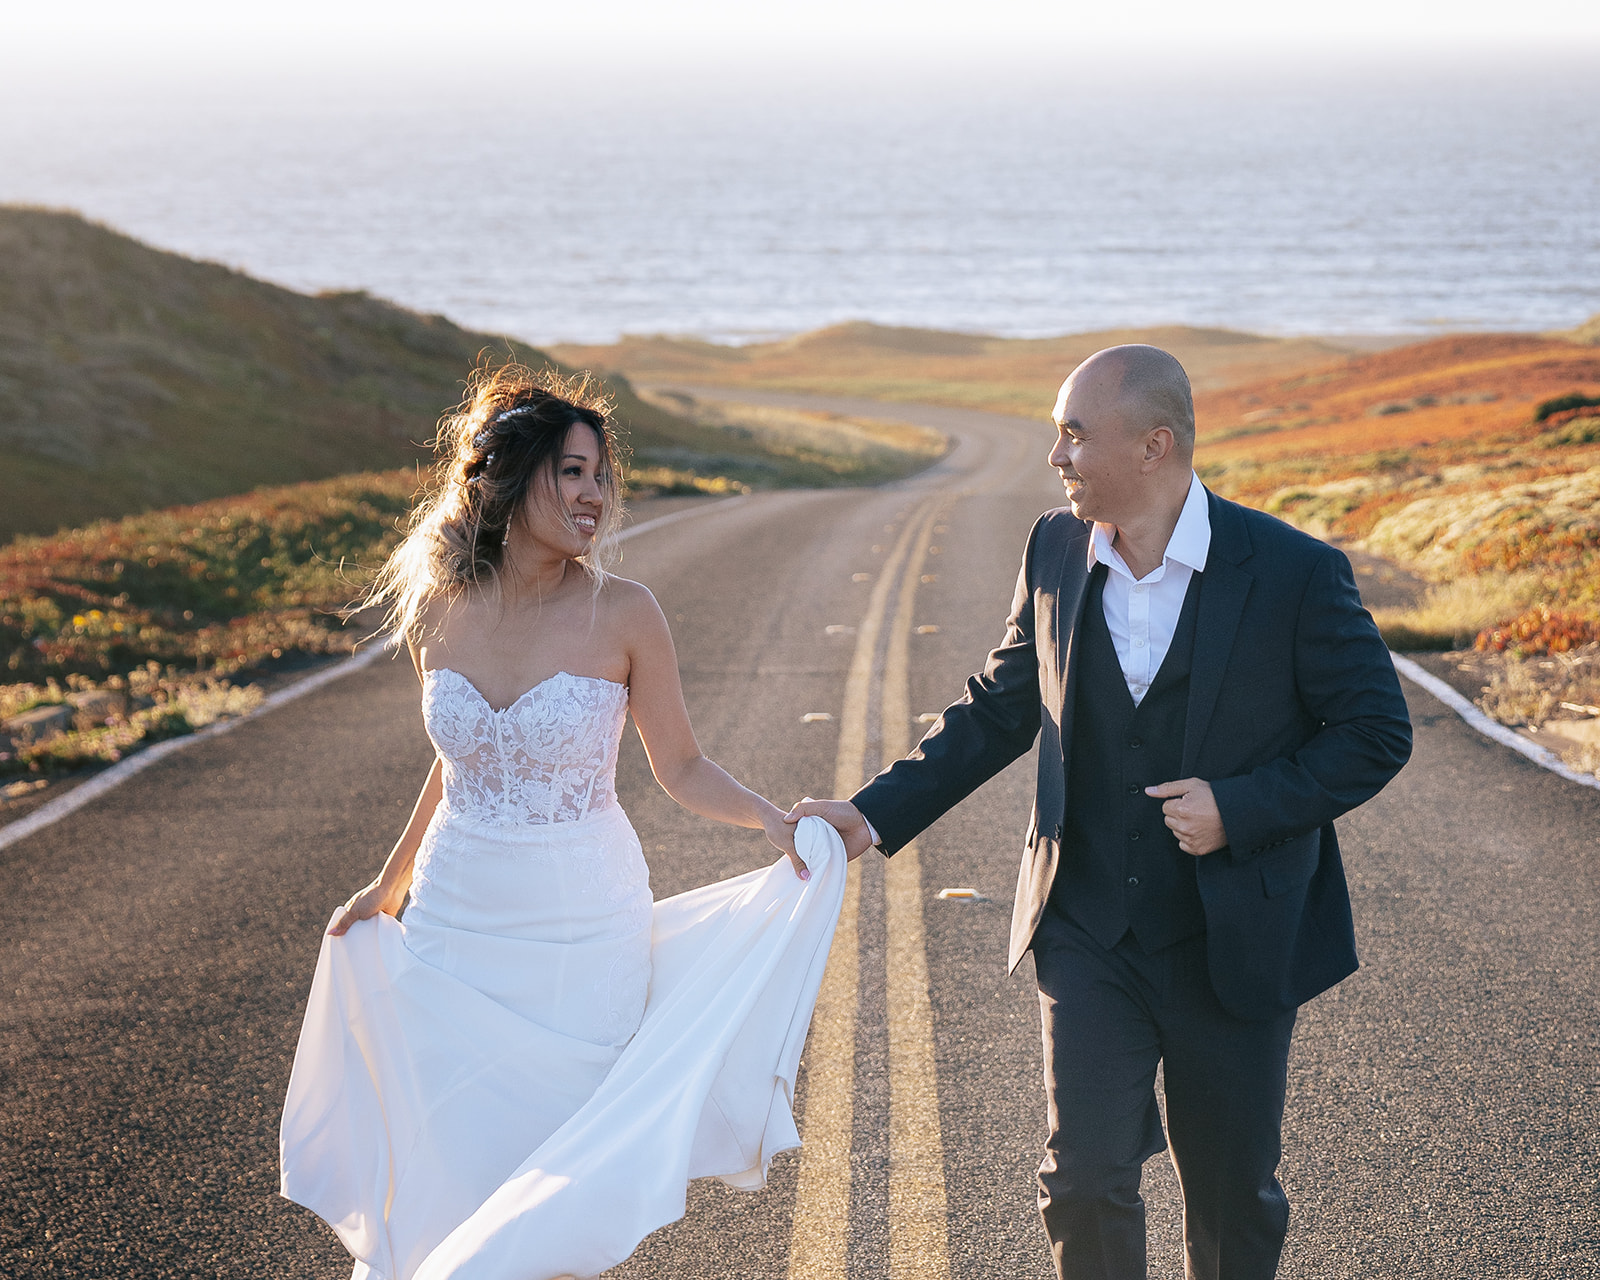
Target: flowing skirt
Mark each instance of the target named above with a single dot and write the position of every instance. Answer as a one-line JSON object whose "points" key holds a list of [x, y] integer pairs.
{"points": [[520, 1080]]}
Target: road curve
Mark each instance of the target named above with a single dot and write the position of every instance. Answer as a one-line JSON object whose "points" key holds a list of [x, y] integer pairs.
{"points": [[1445, 1101]]}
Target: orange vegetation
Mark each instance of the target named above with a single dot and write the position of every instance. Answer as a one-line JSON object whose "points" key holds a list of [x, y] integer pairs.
{"points": [[1439, 456], [1473, 391]]}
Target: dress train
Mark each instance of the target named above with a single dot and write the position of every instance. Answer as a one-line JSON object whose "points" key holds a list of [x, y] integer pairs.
{"points": [[420, 1110]]}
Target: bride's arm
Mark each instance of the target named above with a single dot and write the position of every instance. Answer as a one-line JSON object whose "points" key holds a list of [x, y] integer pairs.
{"points": [[655, 698], [388, 892]]}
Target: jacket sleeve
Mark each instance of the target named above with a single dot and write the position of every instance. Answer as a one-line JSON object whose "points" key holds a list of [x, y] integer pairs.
{"points": [[995, 721], [1346, 680]]}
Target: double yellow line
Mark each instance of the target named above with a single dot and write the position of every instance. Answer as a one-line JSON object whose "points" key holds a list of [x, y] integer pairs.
{"points": [[918, 1245]]}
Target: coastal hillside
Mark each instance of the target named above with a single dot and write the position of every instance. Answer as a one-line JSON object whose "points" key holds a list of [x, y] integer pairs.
{"points": [[975, 371], [1472, 460], [133, 379], [1476, 392]]}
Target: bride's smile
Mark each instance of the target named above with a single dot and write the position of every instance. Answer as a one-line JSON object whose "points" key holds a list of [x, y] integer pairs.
{"points": [[563, 512]]}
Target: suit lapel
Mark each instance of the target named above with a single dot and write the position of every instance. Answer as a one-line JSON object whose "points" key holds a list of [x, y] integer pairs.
{"points": [[1070, 595], [1224, 587]]}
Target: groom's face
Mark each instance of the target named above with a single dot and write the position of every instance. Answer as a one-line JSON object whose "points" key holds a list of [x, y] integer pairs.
{"points": [[1100, 449]]}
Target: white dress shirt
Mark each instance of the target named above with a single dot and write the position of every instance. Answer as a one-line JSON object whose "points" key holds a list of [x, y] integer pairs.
{"points": [[1142, 614]]}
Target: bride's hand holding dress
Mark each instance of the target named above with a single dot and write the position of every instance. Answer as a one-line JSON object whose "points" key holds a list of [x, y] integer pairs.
{"points": [[387, 893]]}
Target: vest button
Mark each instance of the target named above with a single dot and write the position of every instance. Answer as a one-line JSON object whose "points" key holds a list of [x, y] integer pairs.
{"points": [[1134, 881], [1135, 743], [1134, 788], [1133, 835]]}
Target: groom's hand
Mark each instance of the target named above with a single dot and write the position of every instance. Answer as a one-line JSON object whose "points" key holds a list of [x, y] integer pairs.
{"points": [[843, 817], [1191, 812]]}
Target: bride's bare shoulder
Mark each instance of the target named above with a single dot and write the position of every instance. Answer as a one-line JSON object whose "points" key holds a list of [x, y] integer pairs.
{"points": [[440, 611], [438, 617], [625, 593], [632, 604]]}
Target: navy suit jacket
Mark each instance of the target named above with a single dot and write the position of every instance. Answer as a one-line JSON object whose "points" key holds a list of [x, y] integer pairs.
{"points": [[1295, 716]]}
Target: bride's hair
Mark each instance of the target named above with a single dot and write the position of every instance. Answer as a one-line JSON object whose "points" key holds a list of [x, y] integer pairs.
{"points": [[502, 442]]}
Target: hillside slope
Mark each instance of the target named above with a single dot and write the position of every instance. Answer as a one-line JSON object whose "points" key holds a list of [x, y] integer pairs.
{"points": [[977, 371], [133, 379], [1473, 460], [1468, 401]]}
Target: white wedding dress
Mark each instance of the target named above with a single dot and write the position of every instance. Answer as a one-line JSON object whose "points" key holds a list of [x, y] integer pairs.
{"points": [[519, 1080]]}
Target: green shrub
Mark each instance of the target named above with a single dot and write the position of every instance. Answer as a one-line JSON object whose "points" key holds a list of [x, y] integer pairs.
{"points": [[1560, 404]]}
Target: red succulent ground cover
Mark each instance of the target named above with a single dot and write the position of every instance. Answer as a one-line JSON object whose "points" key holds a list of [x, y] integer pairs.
{"points": [[1541, 629], [215, 586], [1502, 424]]}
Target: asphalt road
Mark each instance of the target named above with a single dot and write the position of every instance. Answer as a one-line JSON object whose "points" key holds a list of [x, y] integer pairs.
{"points": [[1444, 1111]]}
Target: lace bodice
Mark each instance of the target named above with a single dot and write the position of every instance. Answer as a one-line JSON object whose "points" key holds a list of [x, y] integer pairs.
{"points": [[551, 756]]}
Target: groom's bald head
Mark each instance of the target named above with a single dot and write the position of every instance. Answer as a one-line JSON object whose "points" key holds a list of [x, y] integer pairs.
{"points": [[1147, 385]]}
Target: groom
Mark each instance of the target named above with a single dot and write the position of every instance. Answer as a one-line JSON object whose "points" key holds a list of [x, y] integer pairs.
{"points": [[1208, 695]]}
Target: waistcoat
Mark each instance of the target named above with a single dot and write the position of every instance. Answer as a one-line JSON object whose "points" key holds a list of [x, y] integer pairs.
{"points": [[1121, 867]]}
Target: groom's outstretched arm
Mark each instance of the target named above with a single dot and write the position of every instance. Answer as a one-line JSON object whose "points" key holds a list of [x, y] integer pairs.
{"points": [[993, 723]]}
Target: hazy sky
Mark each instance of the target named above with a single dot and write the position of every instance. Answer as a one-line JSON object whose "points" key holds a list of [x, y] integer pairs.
{"points": [[693, 166], [198, 35]]}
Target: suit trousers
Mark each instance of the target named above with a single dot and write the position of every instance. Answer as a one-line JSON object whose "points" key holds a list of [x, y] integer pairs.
{"points": [[1110, 1015]]}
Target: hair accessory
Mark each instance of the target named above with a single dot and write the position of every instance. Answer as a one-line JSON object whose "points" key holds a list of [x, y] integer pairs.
{"points": [[487, 431]]}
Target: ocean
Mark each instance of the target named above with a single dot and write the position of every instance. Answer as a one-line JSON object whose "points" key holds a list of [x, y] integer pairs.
{"points": [[1384, 198]]}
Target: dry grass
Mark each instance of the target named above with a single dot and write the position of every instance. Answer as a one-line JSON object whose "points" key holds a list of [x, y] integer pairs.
{"points": [[1454, 612], [1584, 759], [1516, 695], [1449, 392], [1556, 696], [972, 371], [765, 446], [133, 380], [161, 612]]}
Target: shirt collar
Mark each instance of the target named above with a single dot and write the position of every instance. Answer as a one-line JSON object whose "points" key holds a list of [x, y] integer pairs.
{"points": [[1189, 545]]}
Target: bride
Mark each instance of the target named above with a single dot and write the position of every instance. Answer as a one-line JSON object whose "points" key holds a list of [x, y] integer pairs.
{"points": [[520, 1078]]}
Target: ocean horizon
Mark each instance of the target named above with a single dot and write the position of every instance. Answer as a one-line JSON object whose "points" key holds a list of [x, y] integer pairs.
{"points": [[1354, 201]]}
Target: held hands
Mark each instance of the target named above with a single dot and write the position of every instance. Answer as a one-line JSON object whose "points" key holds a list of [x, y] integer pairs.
{"points": [[1191, 813], [780, 834], [368, 902], [843, 817]]}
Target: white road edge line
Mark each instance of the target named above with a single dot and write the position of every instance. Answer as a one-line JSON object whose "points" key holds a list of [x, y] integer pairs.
{"points": [[120, 772], [1541, 756]]}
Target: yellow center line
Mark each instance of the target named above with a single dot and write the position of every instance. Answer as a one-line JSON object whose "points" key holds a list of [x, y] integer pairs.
{"points": [[819, 1245], [918, 1241]]}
